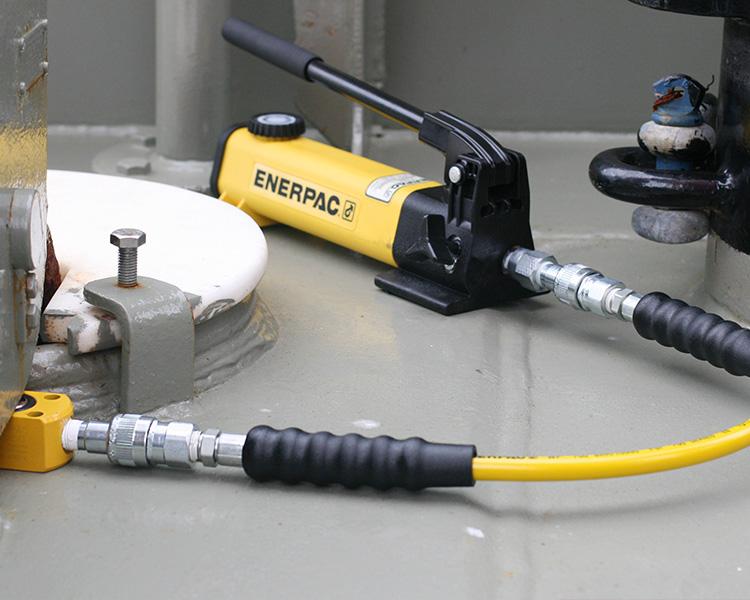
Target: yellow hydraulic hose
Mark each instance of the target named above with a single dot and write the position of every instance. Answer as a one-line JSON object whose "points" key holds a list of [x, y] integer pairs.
{"points": [[618, 464]]}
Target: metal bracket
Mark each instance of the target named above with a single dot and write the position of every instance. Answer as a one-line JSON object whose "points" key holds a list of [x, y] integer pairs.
{"points": [[158, 339]]}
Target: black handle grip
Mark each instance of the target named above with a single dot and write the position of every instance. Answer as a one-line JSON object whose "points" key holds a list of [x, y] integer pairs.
{"points": [[689, 329], [267, 46], [293, 456]]}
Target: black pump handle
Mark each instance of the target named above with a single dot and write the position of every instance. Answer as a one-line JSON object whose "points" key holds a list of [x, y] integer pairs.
{"points": [[268, 47], [306, 65]]}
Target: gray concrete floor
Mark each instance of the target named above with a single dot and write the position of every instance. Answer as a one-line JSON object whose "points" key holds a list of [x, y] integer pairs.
{"points": [[532, 377]]}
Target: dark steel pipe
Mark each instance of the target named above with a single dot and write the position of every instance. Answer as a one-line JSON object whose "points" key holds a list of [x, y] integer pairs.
{"points": [[732, 222]]}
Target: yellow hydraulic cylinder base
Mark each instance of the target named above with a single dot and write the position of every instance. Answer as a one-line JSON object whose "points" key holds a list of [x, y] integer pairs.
{"points": [[32, 439]]}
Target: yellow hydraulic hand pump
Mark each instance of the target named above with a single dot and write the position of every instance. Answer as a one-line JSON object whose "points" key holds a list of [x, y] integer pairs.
{"points": [[445, 241]]}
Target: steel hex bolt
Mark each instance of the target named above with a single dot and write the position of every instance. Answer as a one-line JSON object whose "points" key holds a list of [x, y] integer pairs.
{"points": [[127, 242]]}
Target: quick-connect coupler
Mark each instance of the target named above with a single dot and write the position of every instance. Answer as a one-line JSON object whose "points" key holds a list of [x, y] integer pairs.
{"points": [[655, 316], [140, 441], [576, 285]]}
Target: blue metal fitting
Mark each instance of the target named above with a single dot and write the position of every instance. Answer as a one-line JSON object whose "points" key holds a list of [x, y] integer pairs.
{"points": [[677, 101], [677, 135]]}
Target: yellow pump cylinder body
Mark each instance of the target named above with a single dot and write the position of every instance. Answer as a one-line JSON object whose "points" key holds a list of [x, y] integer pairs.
{"points": [[332, 194]]}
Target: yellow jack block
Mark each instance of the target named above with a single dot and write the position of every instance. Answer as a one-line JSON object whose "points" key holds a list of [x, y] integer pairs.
{"points": [[32, 439]]}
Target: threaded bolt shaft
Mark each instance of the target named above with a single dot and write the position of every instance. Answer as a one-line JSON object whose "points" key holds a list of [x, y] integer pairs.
{"points": [[127, 267], [127, 242]]}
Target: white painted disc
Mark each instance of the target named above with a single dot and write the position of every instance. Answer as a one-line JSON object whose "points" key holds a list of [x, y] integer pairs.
{"points": [[212, 251]]}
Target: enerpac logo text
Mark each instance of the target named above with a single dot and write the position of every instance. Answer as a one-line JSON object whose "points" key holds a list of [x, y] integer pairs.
{"points": [[308, 196]]}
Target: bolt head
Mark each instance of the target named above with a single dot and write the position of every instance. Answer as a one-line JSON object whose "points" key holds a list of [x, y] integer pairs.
{"points": [[455, 174], [127, 238]]}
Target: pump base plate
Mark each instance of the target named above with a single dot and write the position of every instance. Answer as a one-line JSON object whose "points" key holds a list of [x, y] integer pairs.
{"points": [[424, 292]]}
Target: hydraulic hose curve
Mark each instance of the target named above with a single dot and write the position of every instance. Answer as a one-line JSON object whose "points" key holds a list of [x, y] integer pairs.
{"points": [[656, 316], [618, 464]]}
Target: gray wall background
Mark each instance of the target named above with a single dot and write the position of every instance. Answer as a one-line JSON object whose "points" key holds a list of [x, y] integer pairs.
{"points": [[504, 64]]}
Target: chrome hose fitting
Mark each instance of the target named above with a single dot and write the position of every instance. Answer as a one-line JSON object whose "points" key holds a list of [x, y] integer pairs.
{"points": [[576, 285], [140, 441]]}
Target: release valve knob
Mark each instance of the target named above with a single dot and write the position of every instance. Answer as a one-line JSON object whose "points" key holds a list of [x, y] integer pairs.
{"points": [[276, 125]]}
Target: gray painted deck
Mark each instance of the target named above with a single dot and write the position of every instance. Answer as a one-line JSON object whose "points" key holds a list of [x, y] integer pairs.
{"points": [[533, 377]]}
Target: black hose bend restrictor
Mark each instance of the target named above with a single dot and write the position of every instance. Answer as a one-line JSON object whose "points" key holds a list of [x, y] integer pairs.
{"points": [[689, 329], [294, 456]]}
